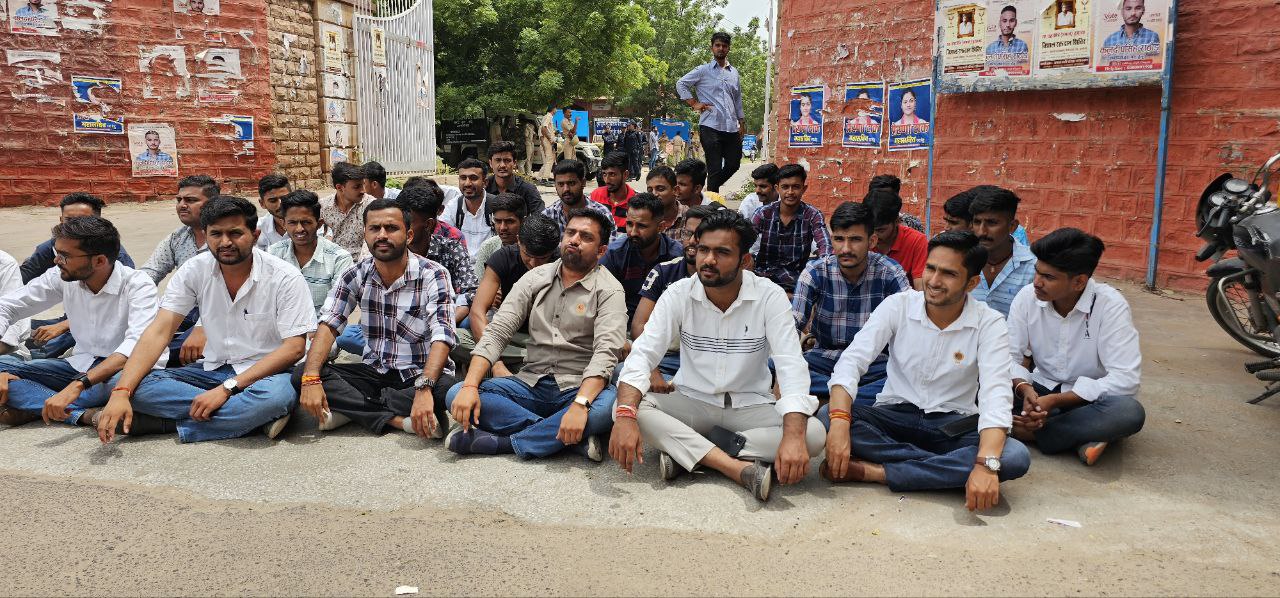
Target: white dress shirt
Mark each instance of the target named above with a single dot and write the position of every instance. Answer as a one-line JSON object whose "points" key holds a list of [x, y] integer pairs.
{"points": [[268, 235], [273, 304], [939, 371], [475, 227], [106, 322], [15, 332], [1093, 351], [720, 355]]}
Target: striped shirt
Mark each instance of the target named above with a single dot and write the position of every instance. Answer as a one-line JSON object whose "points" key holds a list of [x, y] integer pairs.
{"points": [[1018, 273], [838, 308], [323, 269]]}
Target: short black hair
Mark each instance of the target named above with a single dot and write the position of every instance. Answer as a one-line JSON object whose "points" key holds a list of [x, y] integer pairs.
{"points": [[474, 163], [209, 187], [885, 205], [508, 202], [767, 171], [226, 206], [570, 166], [605, 223], [301, 199], [502, 147], [422, 200], [728, 220], [704, 212], [93, 201], [694, 168], [721, 36], [1009, 8], [387, 204], [850, 214], [374, 171], [958, 205], [966, 243], [272, 182], [539, 235], [648, 202], [345, 172], [791, 171], [414, 181], [990, 198], [664, 172], [1071, 250], [614, 160], [885, 181], [95, 234]]}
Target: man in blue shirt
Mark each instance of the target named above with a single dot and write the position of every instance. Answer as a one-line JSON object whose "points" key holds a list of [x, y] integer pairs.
{"points": [[1133, 33], [1008, 42], [630, 258], [1010, 266], [956, 214], [719, 103]]}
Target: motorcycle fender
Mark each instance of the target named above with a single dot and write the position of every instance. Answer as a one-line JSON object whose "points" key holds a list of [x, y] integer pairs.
{"points": [[1227, 267]]}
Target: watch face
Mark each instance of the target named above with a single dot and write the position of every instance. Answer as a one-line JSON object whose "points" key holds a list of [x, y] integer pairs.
{"points": [[993, 464]]}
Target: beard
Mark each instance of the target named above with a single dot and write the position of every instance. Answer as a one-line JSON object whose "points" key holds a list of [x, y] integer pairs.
{"points": [[716, 279], [387, 252], [232, 257]]}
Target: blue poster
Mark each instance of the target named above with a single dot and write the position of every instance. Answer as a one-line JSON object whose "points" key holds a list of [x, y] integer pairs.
{"points": [[615, 124], [581, 120], [748, 143], [82, 87], [673, 128], [866, 100], [243, 125], [88, 123], [910, 113], [806, 116]]}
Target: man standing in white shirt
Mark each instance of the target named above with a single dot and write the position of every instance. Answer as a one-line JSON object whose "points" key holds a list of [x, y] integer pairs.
{"points": [[1088, 364], [257, 312], [108, 305], [946, 350], [470, 213], [722, 413]]}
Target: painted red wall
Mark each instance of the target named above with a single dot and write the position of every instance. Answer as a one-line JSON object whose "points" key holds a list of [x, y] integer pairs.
{"points": [[1097, 174]]}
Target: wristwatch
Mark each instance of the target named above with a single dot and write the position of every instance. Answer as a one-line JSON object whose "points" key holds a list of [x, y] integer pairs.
{"points": [[581, 400], [232, 387], [992, 463], [423, 382], [83, 379]]}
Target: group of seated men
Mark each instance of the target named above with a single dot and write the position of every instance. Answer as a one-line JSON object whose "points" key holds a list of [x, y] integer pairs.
{"points": [[913, 362]]}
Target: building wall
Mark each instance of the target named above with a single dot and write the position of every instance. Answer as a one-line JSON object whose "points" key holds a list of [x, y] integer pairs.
{"points": [[1097, 174], [294, 95]]}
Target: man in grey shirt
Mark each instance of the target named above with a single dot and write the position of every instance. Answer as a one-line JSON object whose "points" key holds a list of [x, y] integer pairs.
{"points": [[719, 103]]}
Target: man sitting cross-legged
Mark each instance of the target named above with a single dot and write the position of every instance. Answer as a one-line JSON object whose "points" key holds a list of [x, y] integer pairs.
{"points": [[257, 312], [108, 305], [1088, 365], [722, 413], [407, 310], [577, 319], [946, 352]]}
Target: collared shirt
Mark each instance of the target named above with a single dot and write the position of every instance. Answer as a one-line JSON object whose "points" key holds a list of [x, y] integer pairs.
{"points": [[939, 371], [676, 231], [532, 197], [750, 204], [272, 305], [1019, 272], [323, 269], [445, 229], [784, 248], [41, 260], [1093, 351], [267, 235], [1013, 46], [486, 251], [452, 254], [390, 193], [476, 227], [106, 322], [1143, 37], [724, 355], [11, 282], [574, 333], [601, 195], [344, 228], [401, 320], [628, 266], [718, 87], [556, 212], [172, 252], [839, 308], [911, 250]]}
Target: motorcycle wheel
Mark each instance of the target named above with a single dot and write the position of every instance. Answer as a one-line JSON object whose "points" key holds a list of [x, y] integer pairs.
{"points": [[1229, 304]]}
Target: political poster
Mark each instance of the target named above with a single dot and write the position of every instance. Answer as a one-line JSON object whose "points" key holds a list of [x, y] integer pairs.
{"points": [[33, 17], [1010, 27], [331, 40], [806, 116], [865, 101], [1130, 35], [1063, 40], [197, 7], [964, 34], [378, 40], [673, 128], [97, 124], [153, 149], [83, 86], [910, 113], [613, 124]]}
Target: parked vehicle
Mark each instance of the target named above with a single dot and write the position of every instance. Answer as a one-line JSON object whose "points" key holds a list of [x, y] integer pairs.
{"points": [[470, 137]]}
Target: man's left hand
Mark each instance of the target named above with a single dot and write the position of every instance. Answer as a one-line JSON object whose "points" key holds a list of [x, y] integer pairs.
{"points": [[55, 407], [572, 424], [45, 334], [982, 492], [207, 402], [423, 413], [793, 460]]}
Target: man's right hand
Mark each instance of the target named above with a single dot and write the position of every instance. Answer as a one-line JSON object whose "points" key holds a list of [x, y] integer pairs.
{"points": [[466, 407], [118, 409], [659, 384], [314, 401], [838, 449], [702, 106], [192, 348], [626, 443], [45, 334], [5, 377]]}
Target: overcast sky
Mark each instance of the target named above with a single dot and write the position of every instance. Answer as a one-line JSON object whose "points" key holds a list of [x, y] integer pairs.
{"points": [[739, 12]]}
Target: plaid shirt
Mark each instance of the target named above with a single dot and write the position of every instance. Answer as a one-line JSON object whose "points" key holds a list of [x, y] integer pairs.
{"points": [[452, 254], [838, 308], [784, 249], [1013, 46], [1144, 37], [401, 321], [556, 213], [1018, 273]]}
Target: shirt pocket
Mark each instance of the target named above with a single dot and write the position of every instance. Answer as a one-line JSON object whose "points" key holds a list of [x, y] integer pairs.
{"points": [[412, 326]]}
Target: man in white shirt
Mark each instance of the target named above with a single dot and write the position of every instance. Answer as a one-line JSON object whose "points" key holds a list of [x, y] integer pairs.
{"points": [[946, 350], [470, 213], [13, 335], [375, 181], [722, 413], [257, 313], [766, 180], [108, 305], [1080, 335], [271, 230]]}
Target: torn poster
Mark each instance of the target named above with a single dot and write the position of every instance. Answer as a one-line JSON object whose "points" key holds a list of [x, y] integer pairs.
{"points": [[85, 15], [243, 126], [152, 58], [378, 36], [208, 96], [35, 69], [153, 149], [336, 86], [214, 37], [33, 17], [866, 100], [92, 123], [197, 7], [220, 66], [83, 87]]}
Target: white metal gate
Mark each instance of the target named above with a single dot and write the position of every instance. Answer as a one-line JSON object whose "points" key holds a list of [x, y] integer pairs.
{"points": [[395, 85]]}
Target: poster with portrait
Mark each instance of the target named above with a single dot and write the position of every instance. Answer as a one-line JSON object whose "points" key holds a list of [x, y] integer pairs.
{"points": [[153, 149], [197, 7], [33, 17], [1063, 40], [910, 115], [806, 116], [378, 41], [331, 40], [864, 110], [1010, 27], [964, 27], [1129, 35]]}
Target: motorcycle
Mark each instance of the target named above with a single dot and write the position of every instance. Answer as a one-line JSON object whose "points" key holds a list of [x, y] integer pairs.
{"points": [[1244, 291]]}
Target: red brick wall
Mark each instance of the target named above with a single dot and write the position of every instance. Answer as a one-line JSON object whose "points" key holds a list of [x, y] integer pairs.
{"points": [[44, 159], [1097, 174]]}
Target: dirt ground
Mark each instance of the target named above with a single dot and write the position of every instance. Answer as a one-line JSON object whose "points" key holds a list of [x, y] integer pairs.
{"points": [[1187, 507]]}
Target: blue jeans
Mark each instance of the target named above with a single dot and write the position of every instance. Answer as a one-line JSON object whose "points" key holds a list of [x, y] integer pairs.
{"points": [[54, 347], [1107, 419], [352, 339], [653, 158], [669, 365], [917, 455], [169, 393], [531, 416], [43, 378], [821, 366]]}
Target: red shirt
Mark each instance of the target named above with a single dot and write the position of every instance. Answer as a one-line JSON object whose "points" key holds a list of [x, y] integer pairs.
{"points": [[910, 250], [601, 195]]}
